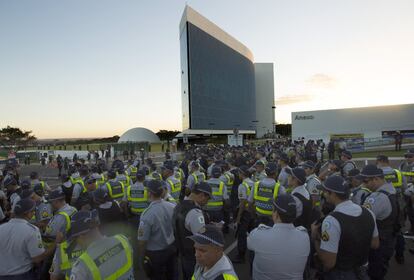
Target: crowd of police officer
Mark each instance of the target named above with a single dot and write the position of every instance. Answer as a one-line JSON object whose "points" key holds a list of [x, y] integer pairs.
{"points": [[293, 217]]}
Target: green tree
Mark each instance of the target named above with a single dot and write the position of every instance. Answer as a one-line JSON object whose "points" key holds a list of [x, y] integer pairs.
{"points": [[15, 137], [167, 135]]}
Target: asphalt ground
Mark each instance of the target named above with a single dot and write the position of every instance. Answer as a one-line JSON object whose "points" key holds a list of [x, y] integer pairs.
{"points": [[396, 271]]}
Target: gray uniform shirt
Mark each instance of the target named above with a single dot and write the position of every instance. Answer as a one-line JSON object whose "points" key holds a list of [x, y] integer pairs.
{"points": [[156, 225], [268, 182], [283, 177], [358, 195], [348, 166], [194, 221], [331, 229], [20, 241], [58, 221], [304, 192], [217, 181], [281, 251], [223, 266], [379, 203]]}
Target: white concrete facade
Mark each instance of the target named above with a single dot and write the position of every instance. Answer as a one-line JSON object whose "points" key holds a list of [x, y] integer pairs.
{"points": [[369, 121], [265, 112]]}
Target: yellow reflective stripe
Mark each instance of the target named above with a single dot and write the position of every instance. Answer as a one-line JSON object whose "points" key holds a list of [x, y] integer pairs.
{"points": [[229, 277], [366, 189], [220, 193], [406, 173], [65, 264], [90, 264], [67, 218], [127, 266], [173, 188], [117, 195], [137, 199], [195, 178], [248, 190]]}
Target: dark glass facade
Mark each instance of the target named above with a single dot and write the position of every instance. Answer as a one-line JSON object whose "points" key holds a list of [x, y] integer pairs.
{"points": [[218, 83]]}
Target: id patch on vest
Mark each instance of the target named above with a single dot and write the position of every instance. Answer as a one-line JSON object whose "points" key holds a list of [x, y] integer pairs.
{"points": [[325, 236]]}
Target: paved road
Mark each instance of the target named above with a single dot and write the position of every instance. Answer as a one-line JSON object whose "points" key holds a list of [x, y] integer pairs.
{"points": [[400, 272]]}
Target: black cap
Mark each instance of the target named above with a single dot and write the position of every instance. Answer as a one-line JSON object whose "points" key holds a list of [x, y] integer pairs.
{"points": [[56, 195], [24, 206], [409, 153], [271, 168], [211, 236], [27, 193], [154, 186], [353, 173], [347, 154], [141, 174], [216, 171], [83, 222], [382, 158], [336, 184], [9, 181], [308, 164], [245, 170], [285, 203], [168, 165], [298, 173], [111, 174], [370, 171], [203, 187]]}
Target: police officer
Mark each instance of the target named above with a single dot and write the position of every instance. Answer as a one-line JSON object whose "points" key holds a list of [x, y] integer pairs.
{"points": [[334, 168], [79, 185], [174, 185], [407, 170], [104, 257], [358, 190], [156, 236], [34, 180], [264, 191], [383, 203], [296, 181], [122, 177], [136, 198], [21, 244], [212, 263], [219, 196], [195, 176], [13, 191], [260, 173], [283, 164], [44, 211], [85, 200], [348, 164], [114, 188], [244, 217], [394, 177], [98, 175], [188, 219], [132, 170], [281, 251], [228, 178], [346, 236]]}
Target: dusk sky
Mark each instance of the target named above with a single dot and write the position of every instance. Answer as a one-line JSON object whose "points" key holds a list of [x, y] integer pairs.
{"points": [[97, 68]]}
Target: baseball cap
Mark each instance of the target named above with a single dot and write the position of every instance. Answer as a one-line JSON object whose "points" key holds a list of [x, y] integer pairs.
{"points": [[271, 168], [82, 222], [353, 173], [24, 206], [141, 173], [168, 165], [154, 186], [298, 173], [245, 170], [346, 153], [285, 203], [216, 171], [308, 164], [336, 184], [370, 171], [203, 187], [56, 195], [211, 236]]}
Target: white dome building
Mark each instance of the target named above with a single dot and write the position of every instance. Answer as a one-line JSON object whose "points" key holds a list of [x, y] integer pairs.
{"points": [[139, 134]]}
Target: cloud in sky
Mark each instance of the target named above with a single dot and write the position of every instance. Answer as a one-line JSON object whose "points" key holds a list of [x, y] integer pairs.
{"points": [[321, 80], [293, 99]]}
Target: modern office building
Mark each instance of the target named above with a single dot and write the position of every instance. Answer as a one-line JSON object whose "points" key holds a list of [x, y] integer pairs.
{"points": [[360, 124], [221, 85]]}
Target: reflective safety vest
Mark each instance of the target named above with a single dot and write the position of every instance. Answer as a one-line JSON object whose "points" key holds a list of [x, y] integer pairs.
{"points": [[137, 199], [394, 178], [224, 275], [75, 181], [101, 180], [263, 197], [67, 257], [67, 218], [175, 189], [110, 259], [126, 181], [179, 174], [42, 183], [248, 190], [133, 173], [215, 203], [409, 174], [230, 180], [155, 176], [198, 178], [116, 190]]}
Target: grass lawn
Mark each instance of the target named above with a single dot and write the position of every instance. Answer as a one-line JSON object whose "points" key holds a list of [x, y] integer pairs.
{"points": [[373, 154]]}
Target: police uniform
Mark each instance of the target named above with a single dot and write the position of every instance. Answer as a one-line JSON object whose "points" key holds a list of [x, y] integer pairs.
{"points": [[156, 229], [407, 170], [115, 189], [44, 211], [215, 205], [174, 187], [60, 222], [78, 189], [65, 256], [283, 177], [223, 268], [136, 197], [347, 232], [195, 178], [123, 179], [20, 241], [188, 219], [383, 203], [106, 258], [303, 207], [347, 166], [281, 251], [44, 184], [359, 194]]}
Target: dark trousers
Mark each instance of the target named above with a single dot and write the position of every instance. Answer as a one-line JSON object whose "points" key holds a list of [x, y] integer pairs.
{"points": [[399, 245], [379, 258], [358, 274], [243, 228], [30, 275], [410, 213], [164, 264], [133, 223], [187, 265]]}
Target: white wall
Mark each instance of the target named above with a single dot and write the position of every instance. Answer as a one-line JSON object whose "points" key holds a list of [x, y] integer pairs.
{"points": [[264, 98], [370, 121]]}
